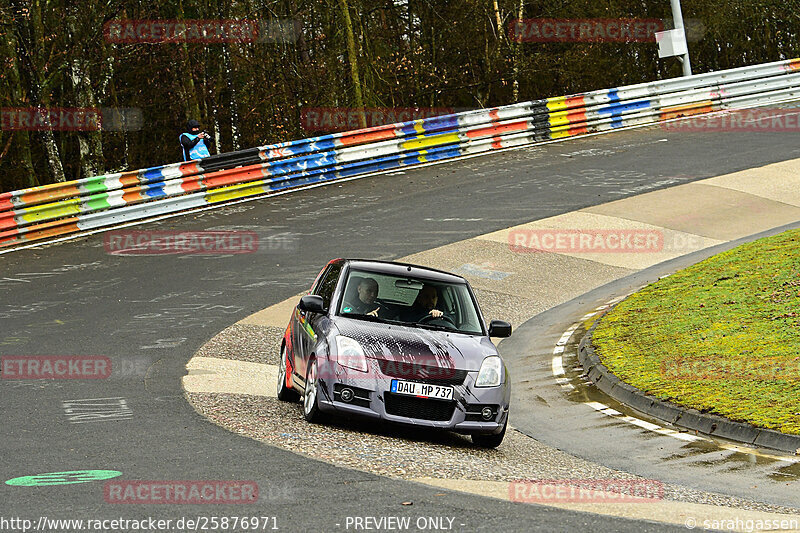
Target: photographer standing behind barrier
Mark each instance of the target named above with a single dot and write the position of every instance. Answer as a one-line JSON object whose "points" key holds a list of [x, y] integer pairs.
{"points": [[195, 142]]}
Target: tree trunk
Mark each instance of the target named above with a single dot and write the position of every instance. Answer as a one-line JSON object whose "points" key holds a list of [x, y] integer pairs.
{"points": [[302, 45], [22, 14], [353, 60], [233, 113], [21, 139], [517, 57], [90, 143], [498, 20], [190, 102]]}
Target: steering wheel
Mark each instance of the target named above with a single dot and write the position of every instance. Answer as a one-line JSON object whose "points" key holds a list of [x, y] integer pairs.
{"points": [[431, 318]]}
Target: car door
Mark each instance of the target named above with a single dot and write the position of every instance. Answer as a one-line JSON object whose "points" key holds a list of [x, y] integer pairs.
{"points": [[308, 331]]}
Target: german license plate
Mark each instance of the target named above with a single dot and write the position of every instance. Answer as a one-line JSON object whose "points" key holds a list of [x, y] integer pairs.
{"points": [[423, 390]]}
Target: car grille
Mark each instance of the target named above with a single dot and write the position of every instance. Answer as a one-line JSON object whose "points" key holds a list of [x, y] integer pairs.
{"points": [[434, 375], [420, 408]]}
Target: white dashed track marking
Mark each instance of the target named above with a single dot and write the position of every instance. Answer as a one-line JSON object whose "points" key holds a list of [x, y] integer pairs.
{"points": [[561, 378]]}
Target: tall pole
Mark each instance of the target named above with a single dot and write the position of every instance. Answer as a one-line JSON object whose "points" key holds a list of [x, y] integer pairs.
{"points": [[677, 16]]}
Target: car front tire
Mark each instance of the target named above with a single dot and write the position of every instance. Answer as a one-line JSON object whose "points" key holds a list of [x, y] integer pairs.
{"points": [[490, 441], [311, 410], [285, 394]]}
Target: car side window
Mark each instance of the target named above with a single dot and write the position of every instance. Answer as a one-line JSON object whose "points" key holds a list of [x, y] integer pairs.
{"points": [[327, 284]]}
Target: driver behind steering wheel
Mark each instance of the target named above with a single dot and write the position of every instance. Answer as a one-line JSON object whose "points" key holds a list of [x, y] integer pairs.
{"points": [[424, 305]]}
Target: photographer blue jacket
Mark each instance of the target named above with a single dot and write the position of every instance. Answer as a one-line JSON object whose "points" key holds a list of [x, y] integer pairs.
{"points": [[194, 143]]}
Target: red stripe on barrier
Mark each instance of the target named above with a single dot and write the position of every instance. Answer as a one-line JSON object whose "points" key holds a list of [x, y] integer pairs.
{"points": [[133, 196], [52, 229], [129, 179], [42, 231], [494, 114], [577, 116], [188, 170], [233, 176], [579, 130], [521, 125], [368, 136], [497, 143], [685, 110], [192, 184], [794, 64], [574, 101], [5, 201], [7, 238], [50, 194], [7, 221]]}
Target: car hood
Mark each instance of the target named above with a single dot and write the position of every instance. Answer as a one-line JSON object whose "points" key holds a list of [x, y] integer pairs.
{"points": [[417, 345]]}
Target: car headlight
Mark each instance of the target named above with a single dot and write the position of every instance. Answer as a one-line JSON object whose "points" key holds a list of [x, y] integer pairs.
{"points": [[491, 373], [350, 354]]}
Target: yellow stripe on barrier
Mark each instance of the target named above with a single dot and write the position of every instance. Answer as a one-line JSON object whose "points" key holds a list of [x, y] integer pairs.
{"points": [[50, 211], [557, 103], [558, 119], [560, 134], [235, 191], [427, 142]]}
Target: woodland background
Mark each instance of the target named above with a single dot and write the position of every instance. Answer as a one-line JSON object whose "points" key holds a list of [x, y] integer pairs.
{"points": [[375, 53]]}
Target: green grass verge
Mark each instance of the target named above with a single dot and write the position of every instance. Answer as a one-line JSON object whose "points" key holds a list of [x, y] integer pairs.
{"points": [[722, 336]]}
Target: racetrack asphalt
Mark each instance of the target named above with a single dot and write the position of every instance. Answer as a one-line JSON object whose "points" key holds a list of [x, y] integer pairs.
{"points": [[227, 384], [153, 313]]}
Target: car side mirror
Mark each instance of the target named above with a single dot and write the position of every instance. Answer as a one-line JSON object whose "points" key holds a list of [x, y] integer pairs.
{"points": [[312, 303], [498, 328]]}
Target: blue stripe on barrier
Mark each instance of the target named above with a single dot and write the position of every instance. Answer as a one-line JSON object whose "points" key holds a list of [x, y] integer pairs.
{"points": [[155, 191], [384, 163], [324, 144], [446, 121], [299, 164], [616, 110], [152, 174]]}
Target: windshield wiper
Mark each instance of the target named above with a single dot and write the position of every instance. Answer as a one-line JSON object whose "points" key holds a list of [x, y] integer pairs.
{"points": [[435, 327]]}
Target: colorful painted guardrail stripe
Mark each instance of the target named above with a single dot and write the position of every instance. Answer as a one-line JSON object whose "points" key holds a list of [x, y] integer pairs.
{"points": [[58, 209]]}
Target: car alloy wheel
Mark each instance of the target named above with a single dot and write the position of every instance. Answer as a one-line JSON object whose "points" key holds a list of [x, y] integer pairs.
{"points": [[311, 410], [285, 393]]}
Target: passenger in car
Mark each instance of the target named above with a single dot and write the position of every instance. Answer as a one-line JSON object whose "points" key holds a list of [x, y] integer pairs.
{"points": [[364, 303]]}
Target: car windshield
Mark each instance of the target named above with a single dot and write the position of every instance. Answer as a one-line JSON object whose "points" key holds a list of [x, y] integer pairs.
{"points": [[409, 301]]}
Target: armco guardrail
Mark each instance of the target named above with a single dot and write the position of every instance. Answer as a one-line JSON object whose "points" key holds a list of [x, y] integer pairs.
{"points": [[58, 209]]}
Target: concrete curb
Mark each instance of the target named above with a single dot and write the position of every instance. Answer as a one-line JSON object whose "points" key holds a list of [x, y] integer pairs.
{"points": [[676, 415]]}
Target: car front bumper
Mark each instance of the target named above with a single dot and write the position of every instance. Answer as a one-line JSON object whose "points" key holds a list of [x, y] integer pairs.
{"points": [[371, 398]]}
